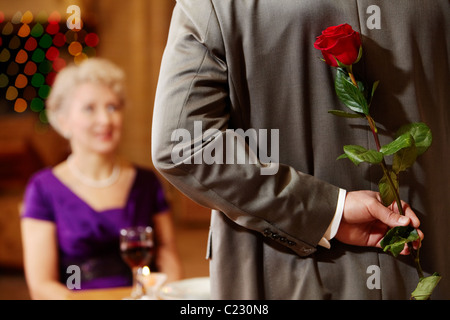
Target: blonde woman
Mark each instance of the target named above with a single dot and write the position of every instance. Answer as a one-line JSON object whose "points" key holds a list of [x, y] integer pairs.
{"points": [[73, 212]]}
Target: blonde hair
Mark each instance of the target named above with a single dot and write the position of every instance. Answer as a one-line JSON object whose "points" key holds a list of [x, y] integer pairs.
{"points": [[95, 70]]}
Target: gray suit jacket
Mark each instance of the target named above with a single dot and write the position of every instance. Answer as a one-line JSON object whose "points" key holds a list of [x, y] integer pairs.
{"points": [[251, 64]]}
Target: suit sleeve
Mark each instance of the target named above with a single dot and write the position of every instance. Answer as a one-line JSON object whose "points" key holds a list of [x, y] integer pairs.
{"points": [[287, 206]]}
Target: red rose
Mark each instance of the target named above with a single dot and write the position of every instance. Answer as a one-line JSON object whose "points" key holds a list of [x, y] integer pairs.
{"points": [[339, 42]]}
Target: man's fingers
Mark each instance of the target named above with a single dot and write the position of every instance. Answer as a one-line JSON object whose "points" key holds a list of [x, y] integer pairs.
{"points": [[389, 217], [417, 244], [414, 221]]}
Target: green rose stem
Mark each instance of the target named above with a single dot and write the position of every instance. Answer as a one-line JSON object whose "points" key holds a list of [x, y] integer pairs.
{"points": [[415, 253], [374, 130], [411, 138]]}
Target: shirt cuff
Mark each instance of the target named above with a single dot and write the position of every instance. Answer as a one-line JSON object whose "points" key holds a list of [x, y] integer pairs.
{"points": [[334, 225]]}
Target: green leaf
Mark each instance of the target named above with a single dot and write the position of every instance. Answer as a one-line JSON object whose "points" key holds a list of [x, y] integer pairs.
{"points": [[360, 52], [387, 191], [358, 154], [374, 87], [349, 94], [396, 238], [404, 159], [342, 156], [425, 287], [361, 87], [344, 114], [421, 134], [403, 141]]}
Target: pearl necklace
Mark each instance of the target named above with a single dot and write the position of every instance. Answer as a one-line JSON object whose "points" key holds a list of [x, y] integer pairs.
{"points": [[92, 182]]}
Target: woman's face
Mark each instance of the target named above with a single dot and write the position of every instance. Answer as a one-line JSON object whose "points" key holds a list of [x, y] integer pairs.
{"points": [[93, 120]]}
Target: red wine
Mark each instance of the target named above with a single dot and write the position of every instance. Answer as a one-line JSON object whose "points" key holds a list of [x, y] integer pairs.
{"points": [[137, 254]]}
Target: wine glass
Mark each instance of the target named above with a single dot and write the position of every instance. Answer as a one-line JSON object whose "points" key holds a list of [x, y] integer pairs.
{"points": [[136, 247]]}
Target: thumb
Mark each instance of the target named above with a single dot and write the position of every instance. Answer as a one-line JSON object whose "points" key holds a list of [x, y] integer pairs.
{"points": [[389, 217]]}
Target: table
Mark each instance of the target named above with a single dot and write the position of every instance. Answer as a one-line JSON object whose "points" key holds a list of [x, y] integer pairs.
{"points": [[186, 289], [118, 293]]}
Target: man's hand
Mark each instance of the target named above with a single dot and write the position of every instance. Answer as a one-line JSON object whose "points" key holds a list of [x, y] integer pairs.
{"points": [[366, 220]]}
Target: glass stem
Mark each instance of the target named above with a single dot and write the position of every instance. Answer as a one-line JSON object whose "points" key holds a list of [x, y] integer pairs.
{"points": [[137, 290]]}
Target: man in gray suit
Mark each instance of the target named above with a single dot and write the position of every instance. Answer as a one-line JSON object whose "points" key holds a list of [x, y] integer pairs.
{"points": [[238, 74]]}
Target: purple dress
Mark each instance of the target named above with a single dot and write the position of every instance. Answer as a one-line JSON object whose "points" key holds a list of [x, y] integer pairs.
{"points": [[88, 238]]}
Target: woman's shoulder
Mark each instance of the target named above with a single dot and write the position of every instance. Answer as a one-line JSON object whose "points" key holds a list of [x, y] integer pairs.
{"points": [[43, 183], [149, 184], [42, 176], [146, 176], [145, 172], [38, 195]]}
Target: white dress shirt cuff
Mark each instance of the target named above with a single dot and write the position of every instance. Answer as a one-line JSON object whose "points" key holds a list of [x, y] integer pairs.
{"points": [[334, 225]]}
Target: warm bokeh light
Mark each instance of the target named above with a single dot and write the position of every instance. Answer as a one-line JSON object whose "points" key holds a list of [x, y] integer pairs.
{"points": [[145, 271], [31, 44], [24, 31], [4, 55], [59, 64], [20, 105], [54, 17], [33, 49], [80, 58], [21, 81], [8, 29], [52, 28], [11, 93], [27, 18], [59, 39], [30, 68], [91, 39], [75, 48], [22, 56], [52, 54]]}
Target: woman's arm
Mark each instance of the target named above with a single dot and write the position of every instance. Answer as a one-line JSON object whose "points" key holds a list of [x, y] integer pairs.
{"points": [[168, 260], [41, 259]]}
